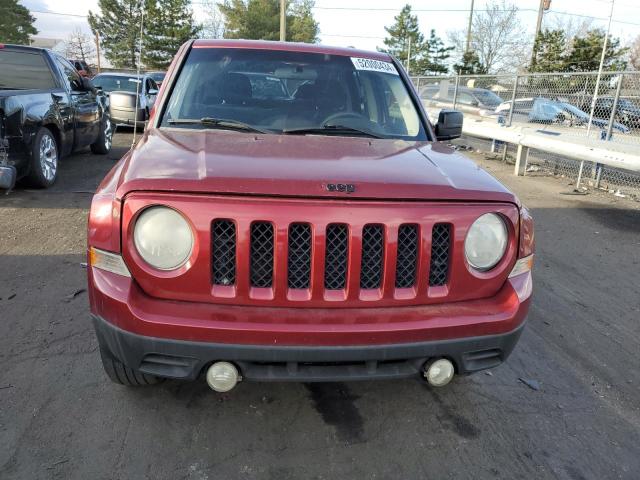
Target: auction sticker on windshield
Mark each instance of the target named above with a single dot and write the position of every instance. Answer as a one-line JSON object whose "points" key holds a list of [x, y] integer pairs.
{"points": [[374, 65]]}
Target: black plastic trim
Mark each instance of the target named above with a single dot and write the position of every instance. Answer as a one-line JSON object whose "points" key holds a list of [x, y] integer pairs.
{"points": [[186, 359]]}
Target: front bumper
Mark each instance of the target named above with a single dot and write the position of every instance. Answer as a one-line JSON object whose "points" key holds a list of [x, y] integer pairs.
{"points": [[184, 359], [178, 339]]}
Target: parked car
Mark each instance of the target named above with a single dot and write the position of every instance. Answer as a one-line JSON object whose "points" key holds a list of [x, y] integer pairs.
{"points": [[47, 111], [627, 112], [121, 89], [158, 77], [83, 68], [324, 237], [478, 101], [544, 110]]}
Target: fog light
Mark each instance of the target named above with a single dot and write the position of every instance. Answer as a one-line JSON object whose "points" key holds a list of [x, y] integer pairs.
{"points": [[439, 372], [222, 376]]}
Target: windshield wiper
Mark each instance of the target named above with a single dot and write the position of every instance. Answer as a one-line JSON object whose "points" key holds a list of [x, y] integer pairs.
{"points": [[331, 129], [216, 123]]}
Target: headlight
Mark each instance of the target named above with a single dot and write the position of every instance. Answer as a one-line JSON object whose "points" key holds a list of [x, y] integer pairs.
{"points": [[486, 242], [163, 238]]}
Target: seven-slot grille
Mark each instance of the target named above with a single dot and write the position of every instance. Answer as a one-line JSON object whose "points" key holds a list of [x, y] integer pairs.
{"points": [[300, 252]]}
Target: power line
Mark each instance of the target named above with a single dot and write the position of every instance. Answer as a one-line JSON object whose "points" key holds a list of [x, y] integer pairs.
{"points": [[432, 10]]}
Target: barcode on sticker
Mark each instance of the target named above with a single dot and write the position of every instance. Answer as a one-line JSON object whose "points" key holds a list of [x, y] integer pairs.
{"points": [[374, 65]]}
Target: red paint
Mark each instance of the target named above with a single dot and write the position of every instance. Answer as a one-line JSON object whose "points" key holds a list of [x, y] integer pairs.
{"points": [[192, 282], [122, 302], [282, 179], [227, 162]]}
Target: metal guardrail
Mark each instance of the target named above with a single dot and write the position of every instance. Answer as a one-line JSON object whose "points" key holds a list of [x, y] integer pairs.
{"points": [[613, 139], [575, 148]]}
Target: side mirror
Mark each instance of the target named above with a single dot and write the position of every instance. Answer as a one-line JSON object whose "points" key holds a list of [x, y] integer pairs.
{"points": [[8, 176], [153, 91], [87, 86], [449, 125]]}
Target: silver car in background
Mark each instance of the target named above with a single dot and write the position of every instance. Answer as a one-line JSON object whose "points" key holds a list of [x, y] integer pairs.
{"points": [[121, 89]]}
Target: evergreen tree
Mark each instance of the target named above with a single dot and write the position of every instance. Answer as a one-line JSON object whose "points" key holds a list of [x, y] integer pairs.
{"points": [[586, 51], [16, 23], [301, 26], [171, 25], [118, 25], [550, 47], [260, 20], [436, 55], [403, 32], [470, 65]]}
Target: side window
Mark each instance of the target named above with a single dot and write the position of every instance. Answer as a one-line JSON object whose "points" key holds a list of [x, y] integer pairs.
{"points": [[70, 74], [153, 85], [465, 98]]}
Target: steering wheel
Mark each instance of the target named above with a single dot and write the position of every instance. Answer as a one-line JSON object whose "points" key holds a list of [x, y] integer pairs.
{"points": [[345, 115]]}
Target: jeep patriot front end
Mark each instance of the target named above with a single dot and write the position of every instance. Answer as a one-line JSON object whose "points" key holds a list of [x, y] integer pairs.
{"points": [[291, 215]]}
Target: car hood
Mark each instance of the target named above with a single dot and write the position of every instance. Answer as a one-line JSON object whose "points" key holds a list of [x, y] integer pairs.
{"points": [[229, 162]]}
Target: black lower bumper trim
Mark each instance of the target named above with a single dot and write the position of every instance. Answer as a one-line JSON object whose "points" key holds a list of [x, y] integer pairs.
{"points": [[186, 359]]}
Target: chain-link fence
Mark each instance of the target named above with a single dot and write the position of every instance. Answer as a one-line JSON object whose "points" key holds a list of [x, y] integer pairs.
{"points": [[557, 104]]}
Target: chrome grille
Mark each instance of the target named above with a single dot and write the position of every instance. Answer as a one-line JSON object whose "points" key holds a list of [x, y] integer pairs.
{"points": [[372, 256], [407, 262], [261, 254], [224, 252], [299, 257], [440, 241], [336, 256]]}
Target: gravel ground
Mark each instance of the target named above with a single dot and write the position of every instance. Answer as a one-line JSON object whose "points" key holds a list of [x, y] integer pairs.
{"points": [[61, 418]]}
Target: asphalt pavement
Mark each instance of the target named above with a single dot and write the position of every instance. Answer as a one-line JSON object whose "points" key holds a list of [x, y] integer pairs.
{"points": [[566, 404]]}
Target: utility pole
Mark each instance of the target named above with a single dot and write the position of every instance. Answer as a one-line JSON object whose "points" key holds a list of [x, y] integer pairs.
{"points": [[466, 50], [283, 20], [98, 50], [604, 51], [544, 5], [409, 55], [138, 81]]}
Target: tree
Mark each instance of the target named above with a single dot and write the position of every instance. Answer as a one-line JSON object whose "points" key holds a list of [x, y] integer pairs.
{"points": [[496, 38], [16, 23], [435, 56], [80, 46], [405, 34], [634, 54], [469, 65], [304, 27], [586, 50], [550, 52], [169, 24], [260, 20], [118, 25], [213, 25]]}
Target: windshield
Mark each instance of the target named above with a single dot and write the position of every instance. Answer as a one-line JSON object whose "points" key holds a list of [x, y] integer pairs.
{"points": [[575, 110], [113, 83], [487, 97], [158, 76], [279, 91]]}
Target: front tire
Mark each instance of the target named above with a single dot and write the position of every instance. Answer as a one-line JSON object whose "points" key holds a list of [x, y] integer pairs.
{"points": [[44, 159], [102, 145], [119, 373]]}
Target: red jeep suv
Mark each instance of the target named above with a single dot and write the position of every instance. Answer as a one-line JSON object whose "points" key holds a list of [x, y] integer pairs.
{"points": [[291, 215]]}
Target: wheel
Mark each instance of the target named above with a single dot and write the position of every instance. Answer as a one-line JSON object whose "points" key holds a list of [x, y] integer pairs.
{"points": [[44, 160], [103, 144], [119, 373]]}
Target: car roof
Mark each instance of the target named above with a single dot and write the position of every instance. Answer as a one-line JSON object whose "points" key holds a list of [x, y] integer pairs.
{"points": [[22, 47], [292, 47]]}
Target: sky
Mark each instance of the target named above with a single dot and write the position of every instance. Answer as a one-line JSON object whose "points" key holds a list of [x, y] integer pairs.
{"points": [[360, 23]]}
